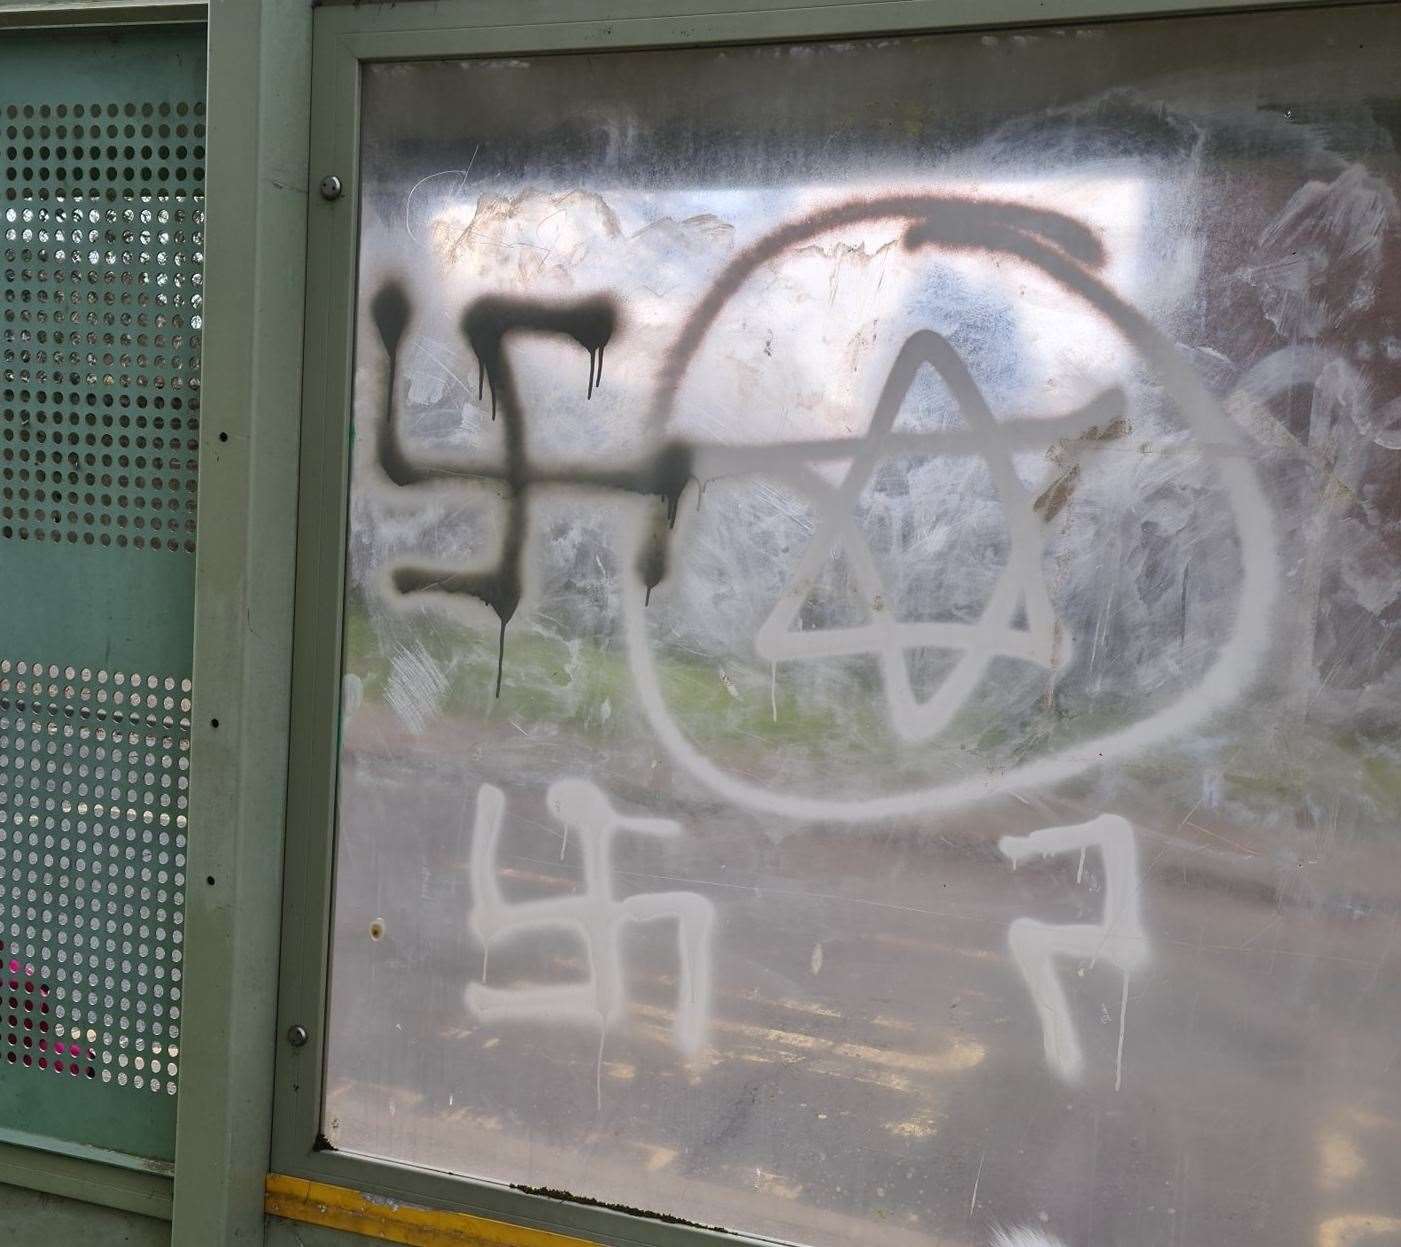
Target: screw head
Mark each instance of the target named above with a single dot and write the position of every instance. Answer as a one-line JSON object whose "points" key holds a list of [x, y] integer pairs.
{"points": [[297, 1036], [331, 187]]}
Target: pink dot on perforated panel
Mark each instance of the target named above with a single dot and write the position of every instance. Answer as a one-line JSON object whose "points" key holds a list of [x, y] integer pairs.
{"points": [[19, 1023]]}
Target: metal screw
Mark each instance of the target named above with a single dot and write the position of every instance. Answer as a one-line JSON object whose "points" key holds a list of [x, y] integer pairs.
{"points": [[331, 187], [297, 1036]]}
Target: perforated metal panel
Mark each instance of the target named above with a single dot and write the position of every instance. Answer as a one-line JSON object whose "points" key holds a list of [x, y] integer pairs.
{"points": [[103, 229], [96, 764], [101, 201]]}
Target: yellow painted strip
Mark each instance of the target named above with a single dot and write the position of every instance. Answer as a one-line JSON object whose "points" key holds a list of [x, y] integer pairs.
{"points": [[391, 1221]]}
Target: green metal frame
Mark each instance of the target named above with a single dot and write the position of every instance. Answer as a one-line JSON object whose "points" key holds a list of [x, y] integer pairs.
{"points": [[74, 1170], [348, 35], [89, 1174], [44, 14], [258, 106]]}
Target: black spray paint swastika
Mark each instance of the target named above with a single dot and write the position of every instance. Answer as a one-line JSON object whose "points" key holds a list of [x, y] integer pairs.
{"points": [[486, 325]]}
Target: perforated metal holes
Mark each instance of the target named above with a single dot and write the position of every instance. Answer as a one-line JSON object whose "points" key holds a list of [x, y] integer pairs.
{"points": [[94, 771], [103, 219], [27, 1036]]}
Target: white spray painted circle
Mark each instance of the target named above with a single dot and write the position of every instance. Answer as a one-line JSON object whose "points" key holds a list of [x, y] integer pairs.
{"points": [[1062, 250]]}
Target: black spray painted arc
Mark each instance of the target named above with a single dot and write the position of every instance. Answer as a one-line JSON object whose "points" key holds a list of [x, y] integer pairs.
{"points": [[486, 324]]}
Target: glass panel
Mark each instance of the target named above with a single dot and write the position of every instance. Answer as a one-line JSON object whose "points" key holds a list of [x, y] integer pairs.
{"points": [[871, 681]]}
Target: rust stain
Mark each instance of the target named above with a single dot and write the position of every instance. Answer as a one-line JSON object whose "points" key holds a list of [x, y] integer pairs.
{"points": [[1054, 497]]}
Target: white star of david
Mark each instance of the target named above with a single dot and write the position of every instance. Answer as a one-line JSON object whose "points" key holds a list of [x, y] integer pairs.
{"points": [[1020, 588]]}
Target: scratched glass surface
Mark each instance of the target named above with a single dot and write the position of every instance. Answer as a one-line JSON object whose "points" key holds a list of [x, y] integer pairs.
{"points": [[871, 666]]}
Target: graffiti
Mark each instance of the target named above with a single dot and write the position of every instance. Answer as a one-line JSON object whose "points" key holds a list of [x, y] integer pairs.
{"points": [[486, 325], [1066, 252], [1117, 938], [392, 314], [893, 502], [596, 917], [1057, 246], [1021, 587]]}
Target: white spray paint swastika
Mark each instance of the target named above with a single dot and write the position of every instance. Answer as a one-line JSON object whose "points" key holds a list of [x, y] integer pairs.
{"points": [[595, 916], [1117, 938]]}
